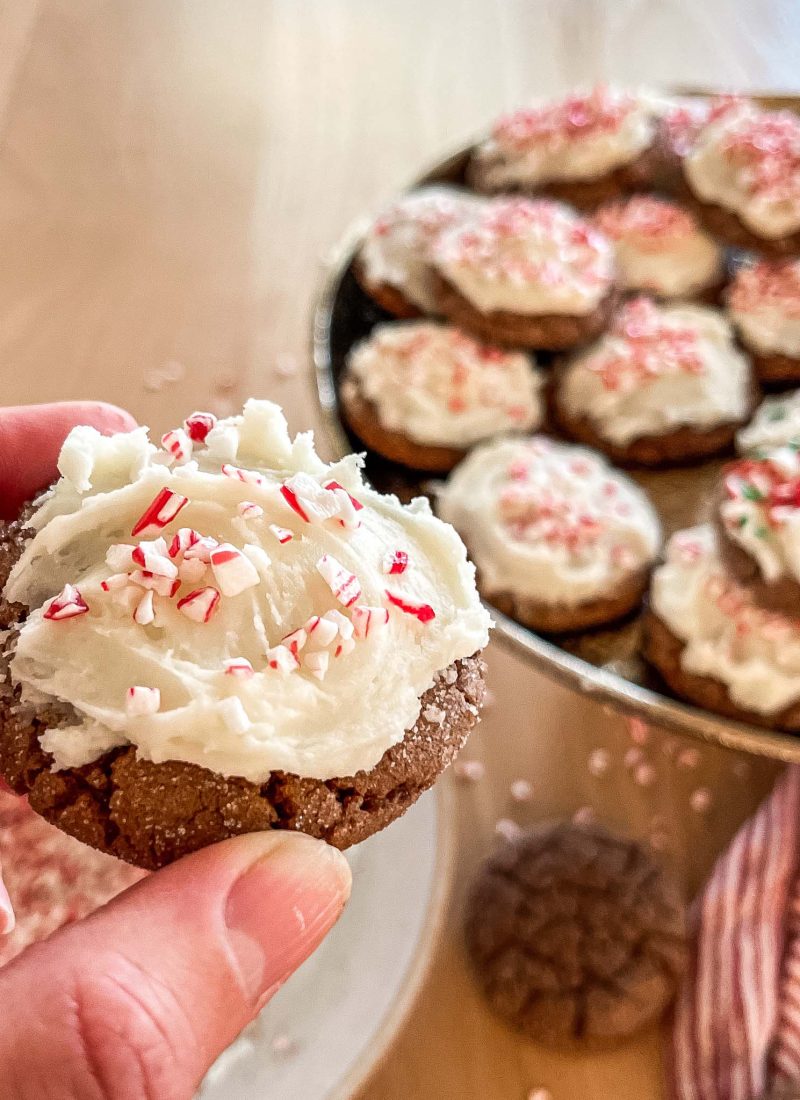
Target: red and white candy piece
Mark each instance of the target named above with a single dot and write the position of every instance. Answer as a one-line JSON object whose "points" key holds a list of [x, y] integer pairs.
{"points": [[311, 501], [281, 659], [317, 663], [164, 507], [295, 640], [152, 556], [66, 605], [348, 514], [115, 582], [144, 614], [178, 445], [345, 646], [182, 540], [344, 626], [142, 700], [239, 667], [201, 550], [343, 584], [248, 509], [247, 477], [321, 630], [334, 486], [233, 571], [282, 534], [369, 620], [164, 586], [198, 425], [200, 605], [422, 611], [396, 561]]}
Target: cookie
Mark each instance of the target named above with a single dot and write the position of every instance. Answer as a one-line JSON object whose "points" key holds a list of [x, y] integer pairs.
{"points": [[711, 642], [776, 423], [561, 541], [422, 393], [582, 149], [525, 272], [576, 937], [665, 384], [764, 306], [392, 262], [229, 670]]}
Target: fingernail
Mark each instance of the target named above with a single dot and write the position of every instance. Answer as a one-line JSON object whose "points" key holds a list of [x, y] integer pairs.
{"points": [[280, 908], [8, 920]]}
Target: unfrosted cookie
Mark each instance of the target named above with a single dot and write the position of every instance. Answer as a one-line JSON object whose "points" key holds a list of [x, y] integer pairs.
{"points": [[714, 645], [527, 272], [393, 261], [665, 384], [764, 305], [582, 148], [561, 540], [776, 423], [576, 937], [661, 248], [227, 634], [422, 393]]}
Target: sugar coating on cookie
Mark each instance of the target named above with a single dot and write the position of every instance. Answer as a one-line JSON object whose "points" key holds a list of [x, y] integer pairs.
{"points": [[439, 386], [660, 247], [776, 423], [657, 369], [232, 601], [548, 521], [753, 652], [527, 257], [748, 161], [396, 248], [582, 136], [685, 118], [760, 510], [764, 305]]}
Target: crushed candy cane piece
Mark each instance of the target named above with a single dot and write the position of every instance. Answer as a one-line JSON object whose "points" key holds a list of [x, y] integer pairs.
{"points": [[164, 508], [282, 534], [198, 425], [152, 556], [248, 509], [343, 584], [192, 570], [321, 631], [177, 444], [334, 486], [247, 477], [317, 663], [280, 658], [343, 625], [201, 549], [422, 611], [295, 640], [239, 667], [312, 502], [66, 605], [348, 514], [182, 540], [345, 646], [200, 605], [142, 700], [115, 582], [144, 614], [368, 620], [234, 572], [396, 561], [164, 586]]}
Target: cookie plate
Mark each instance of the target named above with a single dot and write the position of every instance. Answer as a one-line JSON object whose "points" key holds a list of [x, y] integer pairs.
{"points": [[602, 663], [323, 1032]]}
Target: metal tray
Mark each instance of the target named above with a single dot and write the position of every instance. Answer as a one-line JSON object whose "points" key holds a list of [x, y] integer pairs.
{"points": [[605, 663]]}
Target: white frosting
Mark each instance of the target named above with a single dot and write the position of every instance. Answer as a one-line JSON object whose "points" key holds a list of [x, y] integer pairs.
{"points": [[776, 423], [527, 257], [239, 725], [764, 304], [581, 137], [550, 522], [656, 370], [754, 653], [438, 386], [748, 161], [396, 248], [660, 247], [761, 510]]}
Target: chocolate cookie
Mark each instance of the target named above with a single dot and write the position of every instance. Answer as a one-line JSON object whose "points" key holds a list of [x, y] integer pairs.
{"points": [[576, 937], [388, 297]]}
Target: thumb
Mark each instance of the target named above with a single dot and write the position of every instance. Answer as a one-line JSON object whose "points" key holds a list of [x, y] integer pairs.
{"points": [[138, 1000]]}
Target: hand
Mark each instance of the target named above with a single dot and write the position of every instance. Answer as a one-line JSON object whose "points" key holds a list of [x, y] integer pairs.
{"points": [[136, 1001]]}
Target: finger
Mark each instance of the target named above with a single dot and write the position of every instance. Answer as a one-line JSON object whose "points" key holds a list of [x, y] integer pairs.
{"points": [[31, 437], [139, 999]]}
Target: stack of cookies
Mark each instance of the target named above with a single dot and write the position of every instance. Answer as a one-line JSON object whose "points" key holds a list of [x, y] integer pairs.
{"points": [[615, 268]]}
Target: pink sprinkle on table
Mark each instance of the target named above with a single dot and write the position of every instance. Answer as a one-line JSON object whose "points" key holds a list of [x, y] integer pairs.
{"points": [[701, 800], [470, 771], [521, 790], [507, 829]]}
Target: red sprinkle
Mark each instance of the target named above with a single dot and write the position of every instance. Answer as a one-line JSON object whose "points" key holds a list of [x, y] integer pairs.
{"points": [[164, 508], [396, 561], [198, 425], [66, 605], [422, 611]]}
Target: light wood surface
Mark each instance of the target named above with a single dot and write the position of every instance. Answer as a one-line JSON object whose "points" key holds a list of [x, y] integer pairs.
{"points": [[172, 173]]}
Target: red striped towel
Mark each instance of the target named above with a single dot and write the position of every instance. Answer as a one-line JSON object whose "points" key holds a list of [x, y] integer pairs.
{"points": [[737, 1021]]}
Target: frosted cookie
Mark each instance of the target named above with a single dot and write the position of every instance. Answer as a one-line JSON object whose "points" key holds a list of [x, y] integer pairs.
{"points": [[227, 634], [661, 248], [743, 172], [776, 423], [764, 305], [527, 272], [714, 645], [759, 525], [665, 384], [422, 393], [392, 264], [560, 539], [583, 148]]}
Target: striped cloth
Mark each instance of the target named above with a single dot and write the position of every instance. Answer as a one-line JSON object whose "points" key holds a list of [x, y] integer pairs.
{"points": [[737, 1020]]}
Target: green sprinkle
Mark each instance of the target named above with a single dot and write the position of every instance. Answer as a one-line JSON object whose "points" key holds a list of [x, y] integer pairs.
{"points": [[742, 521], [778, 412], [749, 492], [762, 532]]}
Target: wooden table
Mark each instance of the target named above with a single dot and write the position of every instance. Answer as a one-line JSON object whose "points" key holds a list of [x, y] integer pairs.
{"points": [[172, 173]]}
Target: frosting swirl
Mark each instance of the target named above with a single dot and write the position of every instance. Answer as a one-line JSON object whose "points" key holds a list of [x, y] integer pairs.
{"points": [[761, 509], [548, 521], [527, 257], [776, 423], [764, 304], [657, 369], [439, 386], [754, 653], [396, 248], [235, 602]]}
